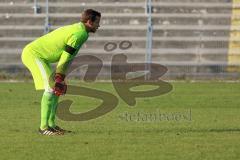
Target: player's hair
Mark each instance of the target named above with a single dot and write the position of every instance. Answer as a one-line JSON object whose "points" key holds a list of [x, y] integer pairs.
{"points": [[89, 14]]}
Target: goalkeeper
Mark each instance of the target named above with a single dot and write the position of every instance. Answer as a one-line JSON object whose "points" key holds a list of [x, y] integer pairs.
{"points": [[60, 45]]}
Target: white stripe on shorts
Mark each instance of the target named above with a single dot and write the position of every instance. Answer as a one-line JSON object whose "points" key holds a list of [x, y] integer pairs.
{"points": [[44, 75]]}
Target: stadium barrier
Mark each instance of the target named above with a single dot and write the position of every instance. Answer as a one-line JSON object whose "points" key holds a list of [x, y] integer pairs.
{"points": [[194, 39]]}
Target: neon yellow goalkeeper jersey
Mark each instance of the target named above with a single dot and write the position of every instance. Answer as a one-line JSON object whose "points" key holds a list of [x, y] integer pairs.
{"points": [[60, 45]]}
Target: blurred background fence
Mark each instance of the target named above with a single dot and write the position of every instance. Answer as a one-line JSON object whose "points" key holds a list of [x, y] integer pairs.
{"points": [[196, 39]]}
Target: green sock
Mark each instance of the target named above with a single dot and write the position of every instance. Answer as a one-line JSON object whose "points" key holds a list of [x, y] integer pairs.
{"points": [[51, 120], [46, 107]]}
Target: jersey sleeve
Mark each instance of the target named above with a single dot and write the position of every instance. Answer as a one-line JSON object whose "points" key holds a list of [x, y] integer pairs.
{"points": [[64, 62], [71, 49]]}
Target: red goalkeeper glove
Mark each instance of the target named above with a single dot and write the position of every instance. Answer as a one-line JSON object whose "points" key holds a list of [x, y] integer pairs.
{"points": [[60, 87]]}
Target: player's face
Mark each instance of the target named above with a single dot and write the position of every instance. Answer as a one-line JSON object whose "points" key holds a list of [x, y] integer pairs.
{"points": [[95, 25]]}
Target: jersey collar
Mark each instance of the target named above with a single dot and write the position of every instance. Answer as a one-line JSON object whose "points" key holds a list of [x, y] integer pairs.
{"points": [[83, 26]]}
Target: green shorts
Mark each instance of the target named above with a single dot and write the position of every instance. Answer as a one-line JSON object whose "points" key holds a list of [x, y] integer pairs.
{"points": [[40, 69]]}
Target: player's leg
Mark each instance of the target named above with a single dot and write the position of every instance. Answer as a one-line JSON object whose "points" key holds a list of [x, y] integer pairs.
{"points": [[52, 117], [41, 72]]}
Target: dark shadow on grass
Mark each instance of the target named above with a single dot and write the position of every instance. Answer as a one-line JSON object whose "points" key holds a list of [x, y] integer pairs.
{"points": [[225, 130], [178, 131], [202, 130]]}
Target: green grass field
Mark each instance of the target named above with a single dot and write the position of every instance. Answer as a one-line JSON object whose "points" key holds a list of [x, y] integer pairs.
{"points": [[210, 132]]}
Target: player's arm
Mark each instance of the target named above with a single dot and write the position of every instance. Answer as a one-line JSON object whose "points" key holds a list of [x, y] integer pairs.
{"points": [[69, 52]]}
